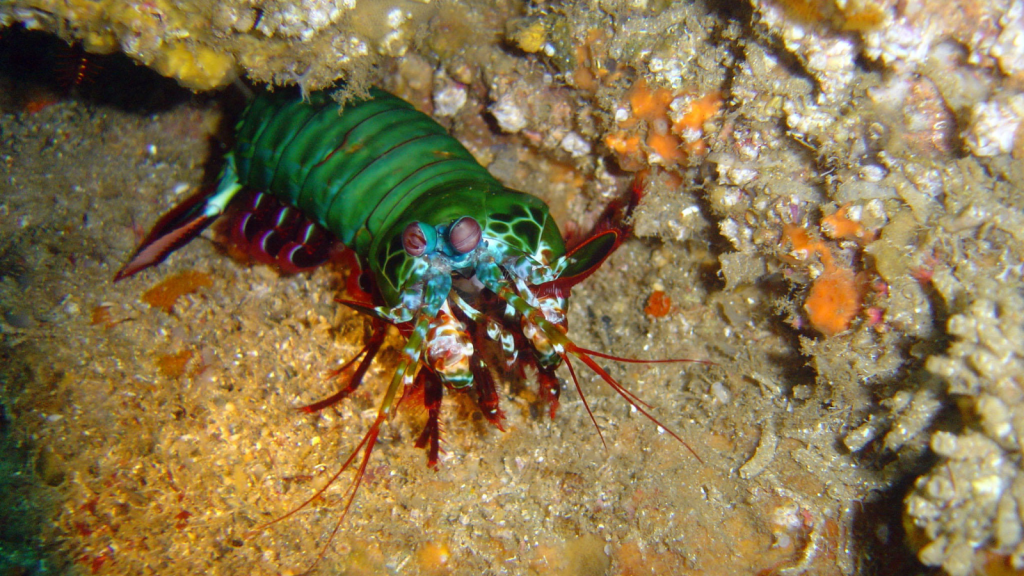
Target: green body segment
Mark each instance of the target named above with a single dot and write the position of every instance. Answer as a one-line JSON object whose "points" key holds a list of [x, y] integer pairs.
{"points": [[365, 170]]}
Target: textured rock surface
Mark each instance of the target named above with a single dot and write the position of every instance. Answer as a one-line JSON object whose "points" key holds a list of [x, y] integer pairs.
{"points": [[833, 215]]}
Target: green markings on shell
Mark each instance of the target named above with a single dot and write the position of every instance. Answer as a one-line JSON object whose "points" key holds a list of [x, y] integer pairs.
{"points": [[522, 222], [366, 170]]}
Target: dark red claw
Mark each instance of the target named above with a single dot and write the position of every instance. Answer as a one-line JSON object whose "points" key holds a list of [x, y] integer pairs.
{"points": [[483, 382], [608, 234], [603, 244], [549, 386]]}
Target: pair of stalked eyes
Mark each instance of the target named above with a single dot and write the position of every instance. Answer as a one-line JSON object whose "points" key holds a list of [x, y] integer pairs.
{"points": [[463, 236]]}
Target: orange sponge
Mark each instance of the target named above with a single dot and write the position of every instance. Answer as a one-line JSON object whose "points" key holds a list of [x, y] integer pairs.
{"points": [[833, 302], [840, 225], [835, 297], [673, 142]]}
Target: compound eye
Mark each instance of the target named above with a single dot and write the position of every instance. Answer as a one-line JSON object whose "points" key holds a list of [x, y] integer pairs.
{"points": [[418, 239], [464, 235]]}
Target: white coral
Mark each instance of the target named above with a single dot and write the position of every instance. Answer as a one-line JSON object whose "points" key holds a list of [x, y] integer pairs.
{"points": [[1009, 46], [302, 19], [974, 497], [509, 114], [994, 125]]}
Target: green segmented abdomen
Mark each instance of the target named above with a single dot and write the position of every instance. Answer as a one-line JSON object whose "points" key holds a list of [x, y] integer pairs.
{"points": [[351, 169]]}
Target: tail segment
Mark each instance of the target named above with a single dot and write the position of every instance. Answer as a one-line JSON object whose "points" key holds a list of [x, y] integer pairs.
{"points": [[175, 229], [183, 223]]}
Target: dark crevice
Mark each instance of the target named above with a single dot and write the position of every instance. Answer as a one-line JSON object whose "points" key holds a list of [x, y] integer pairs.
{"points": [[37, 69]]}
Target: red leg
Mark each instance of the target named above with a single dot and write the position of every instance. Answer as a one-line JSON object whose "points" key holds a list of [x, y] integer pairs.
{"points": [[433, 392], [483, 382], [550, 389], [380, 330], [486, 393]]}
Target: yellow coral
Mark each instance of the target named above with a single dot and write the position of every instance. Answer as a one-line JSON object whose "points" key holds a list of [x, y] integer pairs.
{"points": [[199, 67], [100, 42], [531, 38]]}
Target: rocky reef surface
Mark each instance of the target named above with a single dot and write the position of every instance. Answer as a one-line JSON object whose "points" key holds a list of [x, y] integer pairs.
{"points": [[833, 214]]}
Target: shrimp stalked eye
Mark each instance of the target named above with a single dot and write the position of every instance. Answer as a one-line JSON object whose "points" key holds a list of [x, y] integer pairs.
{"points": [[464, 235], [418, 239]]}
